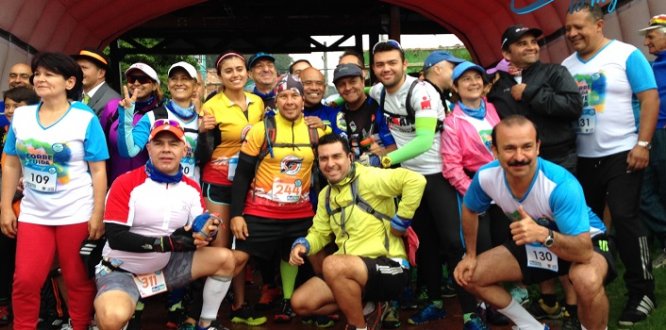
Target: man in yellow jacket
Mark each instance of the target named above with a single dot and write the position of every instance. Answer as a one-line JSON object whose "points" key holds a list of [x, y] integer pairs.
{"points": [[358, 208]]}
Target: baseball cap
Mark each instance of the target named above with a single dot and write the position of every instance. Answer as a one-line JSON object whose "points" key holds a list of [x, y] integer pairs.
{"points": [[93, 55], [515, 32], [655, 23], [189, 68], [256, 57], [145, 68], [346, 70], [464, 67], [288, 82], [168, 125], [387, 45], [438, 56]]}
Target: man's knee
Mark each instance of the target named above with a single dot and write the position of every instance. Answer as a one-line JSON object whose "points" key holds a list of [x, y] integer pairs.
{"points": [[113, 310], [333, 266], [587, 281], [300, 302], [226, 261]]}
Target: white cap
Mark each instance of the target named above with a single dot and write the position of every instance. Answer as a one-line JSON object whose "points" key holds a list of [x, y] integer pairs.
{"points": [[145, 68], [189, 68]]}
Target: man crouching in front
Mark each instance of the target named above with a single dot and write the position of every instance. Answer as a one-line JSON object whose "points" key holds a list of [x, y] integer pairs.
{"points": [[157, 235]]}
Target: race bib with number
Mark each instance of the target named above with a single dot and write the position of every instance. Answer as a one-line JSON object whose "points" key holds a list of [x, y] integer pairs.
{"points": [[150, 284], [287, 190], [233, 163], [40, 180], [188, 168], [587, 122], [539, 256]]}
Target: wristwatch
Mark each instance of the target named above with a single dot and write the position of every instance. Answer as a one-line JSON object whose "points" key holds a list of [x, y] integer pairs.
{"points": [[386, 162], [550, 239], [644, 144]]}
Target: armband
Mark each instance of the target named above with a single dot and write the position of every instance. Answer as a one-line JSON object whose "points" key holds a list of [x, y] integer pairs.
{"points": [[400, 224], [302, 241]]}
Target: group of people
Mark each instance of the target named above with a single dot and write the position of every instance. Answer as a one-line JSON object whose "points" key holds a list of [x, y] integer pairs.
{"points": [[502, 175]]}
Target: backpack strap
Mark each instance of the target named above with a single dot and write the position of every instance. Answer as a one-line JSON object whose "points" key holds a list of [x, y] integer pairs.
{"points": [[411, 113]]}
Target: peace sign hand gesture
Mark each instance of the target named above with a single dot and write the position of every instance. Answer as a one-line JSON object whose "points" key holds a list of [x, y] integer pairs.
{"points": [[128, 101]]}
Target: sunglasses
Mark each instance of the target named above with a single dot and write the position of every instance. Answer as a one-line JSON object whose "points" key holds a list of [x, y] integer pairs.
{"points": [[387, 45], [140, 79], [167, 122]]}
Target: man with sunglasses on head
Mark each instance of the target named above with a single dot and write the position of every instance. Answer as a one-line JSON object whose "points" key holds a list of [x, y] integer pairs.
{"points": [[158, 236], [414, 113]]}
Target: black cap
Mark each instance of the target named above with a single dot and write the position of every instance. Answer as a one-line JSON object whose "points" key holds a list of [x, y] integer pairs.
{"points": [[515, 32], [346, 70], [94, 56]]}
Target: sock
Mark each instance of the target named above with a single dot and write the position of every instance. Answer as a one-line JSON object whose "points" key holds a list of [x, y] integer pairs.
{"points": [[438, 303], [214, 290], [572, 310], [520, 317], [288, 274], [549, 299]]}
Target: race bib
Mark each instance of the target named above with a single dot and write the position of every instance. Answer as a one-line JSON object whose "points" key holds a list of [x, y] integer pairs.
{"points": [[233, 163], [587, 122], [541, 257], [42, 181], [287, 190], [188, 168], [150, 284]]}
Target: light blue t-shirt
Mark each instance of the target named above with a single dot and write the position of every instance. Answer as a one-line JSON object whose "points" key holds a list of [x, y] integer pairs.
{"points": [[554, 199]]}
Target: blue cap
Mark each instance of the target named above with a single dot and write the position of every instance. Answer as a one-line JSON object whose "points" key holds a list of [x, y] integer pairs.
{"points": [[464, 67], [438, 56], [254, 58]]}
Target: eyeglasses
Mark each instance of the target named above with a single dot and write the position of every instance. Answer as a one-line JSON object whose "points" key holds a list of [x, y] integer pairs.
{"points": [[387, 45], [140, 79]]}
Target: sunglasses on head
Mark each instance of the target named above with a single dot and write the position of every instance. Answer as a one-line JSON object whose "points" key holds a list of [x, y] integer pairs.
{"points": [[386, 45], [141, 79], [167, 122]]}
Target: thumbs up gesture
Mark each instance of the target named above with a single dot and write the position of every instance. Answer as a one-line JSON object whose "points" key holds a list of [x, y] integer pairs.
{"points": [[526, 230]]}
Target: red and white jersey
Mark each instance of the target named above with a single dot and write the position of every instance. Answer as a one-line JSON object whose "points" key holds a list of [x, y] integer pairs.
{"points": [[149, 208]]}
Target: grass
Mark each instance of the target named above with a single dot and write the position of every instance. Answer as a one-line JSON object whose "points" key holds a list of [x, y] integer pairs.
{"points": [[616, 295]]}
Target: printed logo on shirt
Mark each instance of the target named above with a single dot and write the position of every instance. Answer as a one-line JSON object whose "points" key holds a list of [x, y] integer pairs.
{"points": [[291, 165], [592, 88], [425, 103]]}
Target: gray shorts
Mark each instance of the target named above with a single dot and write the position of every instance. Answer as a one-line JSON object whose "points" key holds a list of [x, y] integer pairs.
{"points": [[177, 273]]}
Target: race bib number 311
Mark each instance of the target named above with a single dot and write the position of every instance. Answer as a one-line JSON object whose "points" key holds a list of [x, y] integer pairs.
{"points": [[150, 284]]}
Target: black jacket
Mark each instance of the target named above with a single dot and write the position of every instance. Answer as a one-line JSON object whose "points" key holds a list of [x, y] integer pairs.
{"points": [[551, 100]]}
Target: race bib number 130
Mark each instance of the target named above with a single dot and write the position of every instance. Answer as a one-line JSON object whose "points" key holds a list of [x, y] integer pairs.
{"points": [[541, 257]]}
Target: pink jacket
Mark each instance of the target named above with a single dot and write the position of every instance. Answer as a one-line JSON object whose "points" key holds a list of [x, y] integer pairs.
{"points": [[463, 147]]}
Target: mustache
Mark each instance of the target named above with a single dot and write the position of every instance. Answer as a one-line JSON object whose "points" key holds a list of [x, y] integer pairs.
{"points": [[519, 163]]}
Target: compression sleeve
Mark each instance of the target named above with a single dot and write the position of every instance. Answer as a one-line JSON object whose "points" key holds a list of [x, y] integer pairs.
{"points": [[425, 134], [120, 238], [132, 139], [242, 180]]}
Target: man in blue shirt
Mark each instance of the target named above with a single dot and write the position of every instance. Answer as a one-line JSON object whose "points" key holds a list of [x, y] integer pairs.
{"points": [[553, 231]]}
